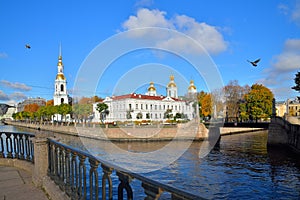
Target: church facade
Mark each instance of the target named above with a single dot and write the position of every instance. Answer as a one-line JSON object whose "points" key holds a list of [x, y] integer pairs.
{"points": [[149, 106]]}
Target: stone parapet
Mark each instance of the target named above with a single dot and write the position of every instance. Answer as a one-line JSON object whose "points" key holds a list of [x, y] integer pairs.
{"points": [[282, 132]]}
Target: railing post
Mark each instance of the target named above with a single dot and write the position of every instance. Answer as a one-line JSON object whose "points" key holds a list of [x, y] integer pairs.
{"points": [[125, 180], [106, 176], [152, 192], [40, 159], [273, 108]]}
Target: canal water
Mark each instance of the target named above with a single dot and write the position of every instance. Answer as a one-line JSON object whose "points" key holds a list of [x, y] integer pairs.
{"points": [[239, 167]]}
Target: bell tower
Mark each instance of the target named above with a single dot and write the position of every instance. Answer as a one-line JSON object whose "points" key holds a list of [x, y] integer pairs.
{"points": [[172, 88], [60, 85]]}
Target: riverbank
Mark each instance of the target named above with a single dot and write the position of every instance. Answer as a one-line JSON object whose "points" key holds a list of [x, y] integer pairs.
{"points": [[188, 131]]}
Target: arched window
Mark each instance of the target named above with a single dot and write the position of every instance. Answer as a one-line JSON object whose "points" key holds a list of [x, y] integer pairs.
{"points": [[61, 87], [62, 100]]}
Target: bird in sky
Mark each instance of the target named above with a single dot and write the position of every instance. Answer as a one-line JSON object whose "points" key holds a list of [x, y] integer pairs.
{"points": [[27, 46], [254, 63]]}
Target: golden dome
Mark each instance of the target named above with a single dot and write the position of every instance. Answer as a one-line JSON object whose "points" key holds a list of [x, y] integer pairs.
{"points": [[192, 86], [151, 87], [60, 77], [172, 83]]}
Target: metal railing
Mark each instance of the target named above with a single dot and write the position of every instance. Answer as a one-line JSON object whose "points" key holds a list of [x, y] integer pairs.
{"points": [[77, 173], [17, 145]]}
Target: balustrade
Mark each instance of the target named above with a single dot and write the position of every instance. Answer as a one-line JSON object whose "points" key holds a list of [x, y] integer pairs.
{"points": [[17, 145], [81, 175], [81, 163]]}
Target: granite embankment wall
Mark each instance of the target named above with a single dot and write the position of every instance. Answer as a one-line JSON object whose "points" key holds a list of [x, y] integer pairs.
{"points": [[282, 132], [188, 131], [191, 130]]}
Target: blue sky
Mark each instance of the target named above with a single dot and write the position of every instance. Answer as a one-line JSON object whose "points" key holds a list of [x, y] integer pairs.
{"points": [[231, 32]]}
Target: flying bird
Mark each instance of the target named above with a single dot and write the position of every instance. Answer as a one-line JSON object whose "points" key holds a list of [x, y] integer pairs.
{"points": [[254, 63], [27, 46]]}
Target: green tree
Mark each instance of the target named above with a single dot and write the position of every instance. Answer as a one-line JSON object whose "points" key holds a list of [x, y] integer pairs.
{"points": [[139, 115], [259, 101], [82, 111], [102, 108], [297, 82], [64, 109], [168, 114]]}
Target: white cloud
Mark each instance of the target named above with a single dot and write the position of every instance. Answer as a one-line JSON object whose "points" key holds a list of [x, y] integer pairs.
{"points": [[279, 77], [3, 55], [296, 13], [292, 11], [144, 3], [206, 35], [17, 86], [3, 96], [289, 59], [147, 18], [18, 96]]}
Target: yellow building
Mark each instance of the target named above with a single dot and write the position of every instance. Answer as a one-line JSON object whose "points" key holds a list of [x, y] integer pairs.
{"points": [[281, 109], [293, 108]]}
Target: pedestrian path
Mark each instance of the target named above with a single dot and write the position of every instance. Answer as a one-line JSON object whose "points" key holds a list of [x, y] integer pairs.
{"points": [[16, 184]]}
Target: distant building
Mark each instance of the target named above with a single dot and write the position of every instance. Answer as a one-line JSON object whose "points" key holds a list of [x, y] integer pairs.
{"points": [[39, 101], [281, 108], [293, 107], [149, 106]]}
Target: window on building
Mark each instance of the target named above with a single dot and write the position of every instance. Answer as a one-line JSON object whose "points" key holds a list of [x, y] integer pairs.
{"points": [[136, 106], [130, 106], [141, 106], [62, 100], [146, 106], [61, 87]]}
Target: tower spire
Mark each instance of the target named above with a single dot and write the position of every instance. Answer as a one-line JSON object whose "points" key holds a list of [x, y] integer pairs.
{"points": [[59, 49]]}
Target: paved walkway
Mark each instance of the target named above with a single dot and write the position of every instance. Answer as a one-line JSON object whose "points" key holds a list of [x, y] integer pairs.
{"points": [[16, 184]]}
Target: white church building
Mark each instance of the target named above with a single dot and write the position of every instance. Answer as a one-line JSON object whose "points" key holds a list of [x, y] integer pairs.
{"points": [[149, 106]]}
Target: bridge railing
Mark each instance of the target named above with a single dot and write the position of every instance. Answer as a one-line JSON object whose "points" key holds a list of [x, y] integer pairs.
{"points": [[83, 176], [17, 145]]}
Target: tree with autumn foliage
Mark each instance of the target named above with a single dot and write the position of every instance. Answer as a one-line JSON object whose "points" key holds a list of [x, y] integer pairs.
{"points": [[200, 96], [206, 105], [31, 107], [258, 102], [234, 95]]}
